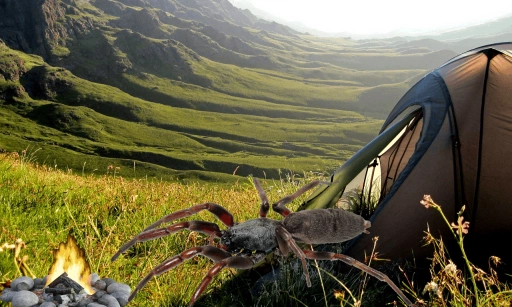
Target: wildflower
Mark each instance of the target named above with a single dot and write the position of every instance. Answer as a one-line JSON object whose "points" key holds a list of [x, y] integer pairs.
{"points": [[110, 167], [451, 268], [495, 260], [427, 202], [429, 238], [340, 295], [433, 288], [480, 274], [461, 226]]}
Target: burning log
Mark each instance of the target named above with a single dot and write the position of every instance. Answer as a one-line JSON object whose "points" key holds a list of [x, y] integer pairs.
{"points": [[68, 282], [58, 291], [70, 258]]}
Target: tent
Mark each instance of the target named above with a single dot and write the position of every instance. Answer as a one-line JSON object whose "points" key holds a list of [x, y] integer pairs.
{"points": [[449, 136]]}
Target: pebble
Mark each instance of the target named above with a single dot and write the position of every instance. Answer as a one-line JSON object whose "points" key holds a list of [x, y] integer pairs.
{"points": [[38, 281], [108, 281], [24, 298], [109, 293], [7, 295], [119, 287], [94, 277], [23, 279], [100, 285], [23, 286], [109, 301], [85, 302], [120, 294], [99, 293], [122, 301]]}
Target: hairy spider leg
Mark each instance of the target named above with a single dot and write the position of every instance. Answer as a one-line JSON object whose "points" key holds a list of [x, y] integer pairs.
{"points": [[204, 227], [236, 262], [363, 267], [212, 252], [285, 243], [220, 212], [279, 206], [263, 196]]}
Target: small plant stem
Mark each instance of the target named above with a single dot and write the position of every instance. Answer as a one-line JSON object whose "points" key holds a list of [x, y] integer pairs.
{"points": [[69, 212], [16, 257], [341, 284], [484, 303], [460, 240], [321, 280], [473, 280], [106, 242]]}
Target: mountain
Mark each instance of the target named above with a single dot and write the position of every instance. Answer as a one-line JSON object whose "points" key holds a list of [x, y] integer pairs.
{"points": [[188, 89]]}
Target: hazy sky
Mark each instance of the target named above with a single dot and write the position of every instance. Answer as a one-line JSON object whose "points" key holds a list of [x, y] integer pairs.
{"points": [[374, 16]]}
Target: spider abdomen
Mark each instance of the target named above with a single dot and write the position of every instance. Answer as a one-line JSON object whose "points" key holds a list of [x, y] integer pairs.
{"points": [[321, 226], [252, 235]]}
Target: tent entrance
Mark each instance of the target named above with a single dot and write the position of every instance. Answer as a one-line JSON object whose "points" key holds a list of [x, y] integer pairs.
{"points": [[376, 180]]}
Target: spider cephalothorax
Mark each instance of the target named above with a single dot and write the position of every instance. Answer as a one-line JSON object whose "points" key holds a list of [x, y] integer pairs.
{"points": [[252, 235], [242, 246]]}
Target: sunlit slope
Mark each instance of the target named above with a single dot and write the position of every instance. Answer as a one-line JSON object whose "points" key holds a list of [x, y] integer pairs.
{"points": [[57, 109], [193, 86]]}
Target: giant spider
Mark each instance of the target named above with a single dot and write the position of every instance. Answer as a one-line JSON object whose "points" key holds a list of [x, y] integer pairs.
{"points": [[243, 245]]}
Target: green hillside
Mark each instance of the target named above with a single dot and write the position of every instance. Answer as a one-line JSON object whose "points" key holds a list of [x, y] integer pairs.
{"points": [[184, 89]]}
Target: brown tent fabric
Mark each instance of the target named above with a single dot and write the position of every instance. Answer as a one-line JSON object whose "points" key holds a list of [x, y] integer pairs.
{"points": [[458, 149]]}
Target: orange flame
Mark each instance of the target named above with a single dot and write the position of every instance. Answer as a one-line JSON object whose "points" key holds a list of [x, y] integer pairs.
{"points": [[70, 258]]}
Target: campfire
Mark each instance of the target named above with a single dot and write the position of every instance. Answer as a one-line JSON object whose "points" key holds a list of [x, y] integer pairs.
{"points": [[68, 283], [70, 267]]}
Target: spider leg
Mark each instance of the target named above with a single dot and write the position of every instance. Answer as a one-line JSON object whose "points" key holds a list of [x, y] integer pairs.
{"points": [[200, 226], [214, 253], [279, 206], [286, 242], [363, 267], [236, 262], [263, 196], [224, 215]]}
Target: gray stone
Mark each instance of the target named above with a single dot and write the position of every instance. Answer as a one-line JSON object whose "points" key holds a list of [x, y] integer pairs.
{"points": [[38, 281], [99, 293], [94, 277], [47, 297], [85, 302], [122, 302], [29, 281], [7, 295], [108, 281], [23, 286], [47, 304], [118, 287], [100, 285], [95, 305], [109, 301], [24, 299], [120, 294]]}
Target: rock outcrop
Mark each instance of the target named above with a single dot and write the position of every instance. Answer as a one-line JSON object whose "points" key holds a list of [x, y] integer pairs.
{"points": [[32, 26]]}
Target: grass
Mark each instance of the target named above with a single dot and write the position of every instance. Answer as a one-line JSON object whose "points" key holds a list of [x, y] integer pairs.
{"points": [[461, 286], [41, 205], [201, 131]]}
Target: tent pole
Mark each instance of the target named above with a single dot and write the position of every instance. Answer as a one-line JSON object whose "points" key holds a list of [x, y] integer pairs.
{"points": [[327, 196]]}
